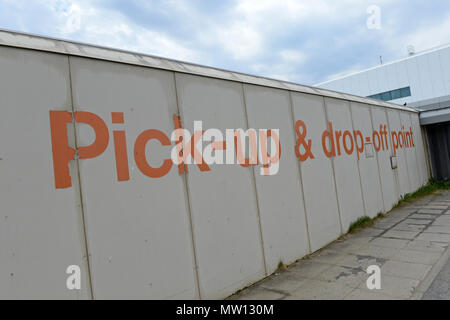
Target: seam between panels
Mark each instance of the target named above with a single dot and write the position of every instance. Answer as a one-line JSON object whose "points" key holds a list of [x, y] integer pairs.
{"points": [[83, 214], [188, 201]]}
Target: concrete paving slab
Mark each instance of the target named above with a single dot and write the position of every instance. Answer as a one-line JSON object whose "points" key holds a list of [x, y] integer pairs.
{"points": [[317, 289], [385, 225], [422, 202], [398, 234], [437, 237], [403, 226], [377, 251], [401, 288], [414, 207], [327, 256], [441, 244], [284, 282], [362, 261], [430, 211], [346, 246], [417, 219], [412, 256], [309, 268], [443, 219], [405, 269], [440, 203], [346, 276], [258, 294], [354, 239], [441, 223], [436, 207], [389, 243], [359, 294], [437, 229], [394, 219], [369, 232], [422, 216], [424, 246]]}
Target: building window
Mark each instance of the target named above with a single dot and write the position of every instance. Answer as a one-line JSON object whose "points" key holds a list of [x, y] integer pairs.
{"points": [[386, 96], [393, 94], [406, 92], [396, 94]]}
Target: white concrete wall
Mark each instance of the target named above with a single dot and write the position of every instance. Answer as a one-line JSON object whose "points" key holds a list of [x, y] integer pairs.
{"points": [[387, 176], [225, 213], [41, 229], [132, 224], [317, 176], [194, 235], [368, 168], [281, 193], [348, 184]]}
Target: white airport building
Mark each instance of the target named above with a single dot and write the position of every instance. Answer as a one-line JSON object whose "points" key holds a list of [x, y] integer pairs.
{"points": [[420, 80]]}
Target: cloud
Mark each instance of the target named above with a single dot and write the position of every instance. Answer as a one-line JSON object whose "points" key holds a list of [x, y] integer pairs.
{"points": [[306, 41], [292, 56], [83, 21], [287, 66], [433, 34], [340, 74], [239, 39], [72, 16]]}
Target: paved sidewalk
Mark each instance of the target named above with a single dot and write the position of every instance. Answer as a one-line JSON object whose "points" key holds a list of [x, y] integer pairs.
{"points": [[440, 288], [409, 244]]}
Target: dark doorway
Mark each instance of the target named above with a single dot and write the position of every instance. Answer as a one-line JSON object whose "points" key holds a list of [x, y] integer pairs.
{"points": [[439, 146]]}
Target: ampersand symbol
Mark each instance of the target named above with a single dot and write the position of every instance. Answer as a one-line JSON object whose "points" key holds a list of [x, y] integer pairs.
{"points": [[301, 142]]}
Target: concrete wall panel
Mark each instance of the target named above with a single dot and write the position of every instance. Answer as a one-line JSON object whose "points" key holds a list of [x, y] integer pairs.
{"points": [[410, 155], [138, 230], [280, 196], [388, 178], [401, 173], [317, 174], [345, 165], [420, 149], [368, 167], [223, 200], [41, 231]]}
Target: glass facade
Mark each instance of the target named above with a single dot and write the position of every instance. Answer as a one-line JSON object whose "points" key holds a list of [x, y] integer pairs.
{"points": [[393, 94]]}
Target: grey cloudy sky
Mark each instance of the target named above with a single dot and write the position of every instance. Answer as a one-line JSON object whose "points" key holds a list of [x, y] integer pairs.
{"points": [[305, 41]]}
